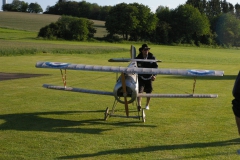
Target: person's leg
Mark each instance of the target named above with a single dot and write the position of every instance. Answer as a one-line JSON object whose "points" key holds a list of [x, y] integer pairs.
{"points": [[236, 111], [238, 123], [140, 90], [148, 89], [148, 101], [139, 99]]}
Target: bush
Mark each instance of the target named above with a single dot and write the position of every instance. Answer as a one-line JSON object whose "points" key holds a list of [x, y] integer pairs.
{"points": [[69, 28]]}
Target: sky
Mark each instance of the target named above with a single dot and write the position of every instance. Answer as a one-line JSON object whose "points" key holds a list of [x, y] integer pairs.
{"points": [[153, 4]]}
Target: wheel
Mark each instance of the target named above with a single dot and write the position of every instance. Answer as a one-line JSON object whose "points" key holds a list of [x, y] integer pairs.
{"points": [[106, 114], [143, 116]]}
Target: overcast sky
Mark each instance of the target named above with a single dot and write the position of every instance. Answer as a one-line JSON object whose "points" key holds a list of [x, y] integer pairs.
{"points": [[153, 4]]}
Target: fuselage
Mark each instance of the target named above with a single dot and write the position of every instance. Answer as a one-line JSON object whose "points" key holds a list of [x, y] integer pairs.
{"points": [[131, 81]]}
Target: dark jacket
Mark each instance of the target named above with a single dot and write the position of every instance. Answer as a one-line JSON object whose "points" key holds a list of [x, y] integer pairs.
{"points": [[146, 64], [236, 94]]}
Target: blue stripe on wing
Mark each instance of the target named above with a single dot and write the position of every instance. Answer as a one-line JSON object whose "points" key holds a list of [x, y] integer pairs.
{"points": [[57, 64], [202, 72]]}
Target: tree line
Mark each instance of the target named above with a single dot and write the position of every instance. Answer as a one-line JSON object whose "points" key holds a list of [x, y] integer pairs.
{"points": [[79, 9], [197, 22], [21, 6]]}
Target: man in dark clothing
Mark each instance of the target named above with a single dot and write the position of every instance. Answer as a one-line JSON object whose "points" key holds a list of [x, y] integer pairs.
{"points": [[236, 101], [145, 80]]}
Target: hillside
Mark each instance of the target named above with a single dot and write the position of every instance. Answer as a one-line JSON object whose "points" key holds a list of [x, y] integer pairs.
{"points": [[33, 22]]}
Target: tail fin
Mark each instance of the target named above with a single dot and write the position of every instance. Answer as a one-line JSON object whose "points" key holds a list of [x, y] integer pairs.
{"points": [[132, 52]]}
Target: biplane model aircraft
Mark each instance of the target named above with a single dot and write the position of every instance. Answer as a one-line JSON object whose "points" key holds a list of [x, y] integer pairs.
{"points": [[126, 89]]}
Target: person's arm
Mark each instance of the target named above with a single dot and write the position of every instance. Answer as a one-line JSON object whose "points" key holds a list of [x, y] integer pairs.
{"points": [[155, 65]]}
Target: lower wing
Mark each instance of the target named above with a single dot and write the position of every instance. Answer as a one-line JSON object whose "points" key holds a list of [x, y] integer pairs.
{"points": [[179, 95], [48, 86]]}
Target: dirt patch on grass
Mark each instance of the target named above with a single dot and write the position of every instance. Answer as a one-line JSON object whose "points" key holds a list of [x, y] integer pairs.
{"points": [[11, 76]]}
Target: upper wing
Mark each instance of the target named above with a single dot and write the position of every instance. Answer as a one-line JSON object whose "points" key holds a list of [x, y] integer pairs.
{"points": [[186, 72]]}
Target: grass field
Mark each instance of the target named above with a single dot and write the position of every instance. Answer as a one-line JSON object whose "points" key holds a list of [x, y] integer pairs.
{"points": [[37, 123]]}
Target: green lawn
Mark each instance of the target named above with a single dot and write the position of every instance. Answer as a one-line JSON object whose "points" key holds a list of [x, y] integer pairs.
{"points": [[37, 123]]}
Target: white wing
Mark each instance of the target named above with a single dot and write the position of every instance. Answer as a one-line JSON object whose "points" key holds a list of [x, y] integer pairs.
{"points": [[48, 86], [186, 72], [77, 90], [179, 95]]}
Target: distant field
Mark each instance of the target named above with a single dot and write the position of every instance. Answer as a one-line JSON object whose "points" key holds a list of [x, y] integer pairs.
{"points": [[34, 22]]}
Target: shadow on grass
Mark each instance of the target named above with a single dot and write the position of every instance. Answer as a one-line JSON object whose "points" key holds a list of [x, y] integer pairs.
{"points": [[163, 148], [12, 76], [36, 122]]}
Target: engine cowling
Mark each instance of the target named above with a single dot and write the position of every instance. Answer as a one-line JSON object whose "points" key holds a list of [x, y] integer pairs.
{"points": [[131, 87]]}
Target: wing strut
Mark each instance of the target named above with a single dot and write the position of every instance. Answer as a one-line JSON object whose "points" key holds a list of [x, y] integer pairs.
{"points": [[64, 77], [194, 84], [125, 93]]}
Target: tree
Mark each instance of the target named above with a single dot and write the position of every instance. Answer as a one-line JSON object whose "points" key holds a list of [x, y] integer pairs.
{"points": [[94, 11], [228, 30], [23, 6], [69, 8], [79, 29], [104, 12], [199, 4], [161, 9], [237, 8], [16, 6], [147, 22], [122, 20], [34, 8], [69, 28], [79, 9], [227, 7], [213, 9], [164, 29], [132, 21], [7, 7], [189, 24], [84, 9]]}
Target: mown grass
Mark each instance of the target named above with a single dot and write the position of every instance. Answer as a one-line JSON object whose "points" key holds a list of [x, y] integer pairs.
{"points": [[46, 124], [37, 123]]}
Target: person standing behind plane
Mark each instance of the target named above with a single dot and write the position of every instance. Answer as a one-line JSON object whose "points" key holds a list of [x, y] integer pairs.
{"points": [[236, 101], [145, 80]]}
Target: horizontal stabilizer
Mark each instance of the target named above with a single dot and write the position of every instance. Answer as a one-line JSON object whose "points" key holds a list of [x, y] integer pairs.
{"points": [[131, 70], [178, 95], [119, 60], [132, 60], [77, 90]]}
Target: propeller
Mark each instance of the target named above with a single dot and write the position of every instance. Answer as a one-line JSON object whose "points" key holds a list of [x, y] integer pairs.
{"points": [[125, 93]]}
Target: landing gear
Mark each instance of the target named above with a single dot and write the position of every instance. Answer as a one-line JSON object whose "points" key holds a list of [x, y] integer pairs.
{"points": [[143, 116], [111, 113], [106, 114]]}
